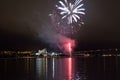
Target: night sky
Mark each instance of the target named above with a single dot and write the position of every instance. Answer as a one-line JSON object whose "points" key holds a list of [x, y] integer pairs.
{"points": [[22, 21]]}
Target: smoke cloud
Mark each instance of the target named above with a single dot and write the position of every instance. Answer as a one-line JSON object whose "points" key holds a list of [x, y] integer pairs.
{"points": [[44, 30], [48, 34]]}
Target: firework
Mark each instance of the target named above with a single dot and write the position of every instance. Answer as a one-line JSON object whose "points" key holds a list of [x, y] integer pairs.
{"points": [[70, 11], [67, 16]]}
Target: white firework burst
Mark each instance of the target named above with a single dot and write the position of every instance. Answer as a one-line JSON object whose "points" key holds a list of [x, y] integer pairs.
{"points": [[70, 11]]}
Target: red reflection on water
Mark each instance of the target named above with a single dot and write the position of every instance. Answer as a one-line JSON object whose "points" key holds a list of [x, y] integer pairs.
{"points": [[69, 68]]}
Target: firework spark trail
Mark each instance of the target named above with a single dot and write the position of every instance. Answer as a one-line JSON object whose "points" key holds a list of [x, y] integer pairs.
{"points": [[67, 17], [71, 11], [69, 46]]}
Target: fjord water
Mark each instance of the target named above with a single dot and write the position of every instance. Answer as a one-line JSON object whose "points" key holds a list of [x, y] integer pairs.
{"points": [[60, 68]]}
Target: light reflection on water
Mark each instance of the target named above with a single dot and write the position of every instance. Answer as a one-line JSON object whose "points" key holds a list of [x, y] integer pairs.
{"points": [[60, 68], [57, 69]]}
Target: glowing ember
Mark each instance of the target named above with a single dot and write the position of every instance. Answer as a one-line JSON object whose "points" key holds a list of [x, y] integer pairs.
{"points": [[69, 47], [65, 44]]}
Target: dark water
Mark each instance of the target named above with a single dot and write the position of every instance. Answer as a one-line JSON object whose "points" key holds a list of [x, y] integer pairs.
{"points": [[64, 68]]}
